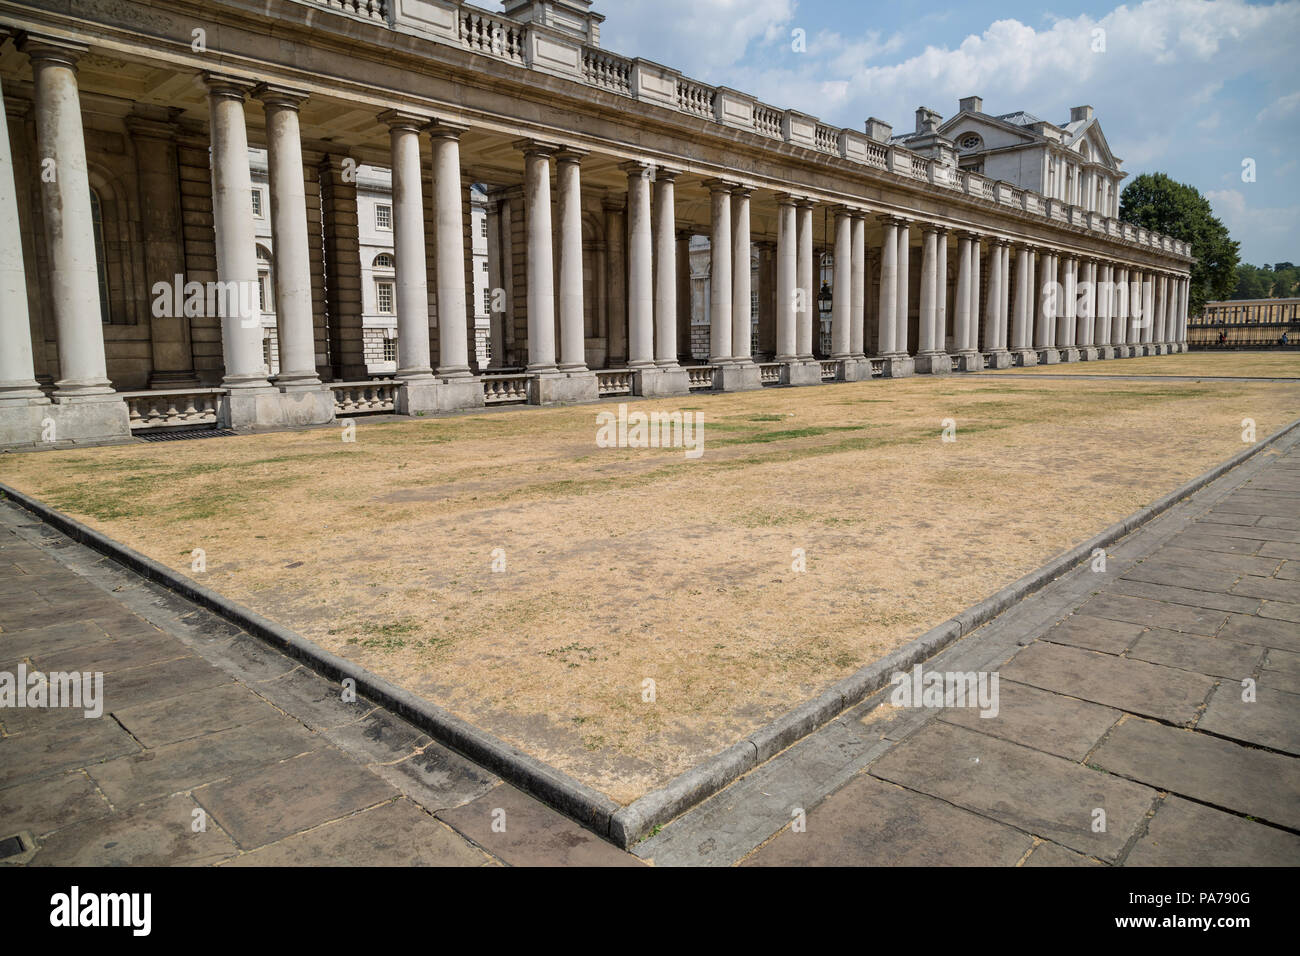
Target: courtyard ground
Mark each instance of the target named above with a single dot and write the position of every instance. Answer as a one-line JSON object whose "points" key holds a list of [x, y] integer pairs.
{"points": [[623, 565], [1218, 364]]}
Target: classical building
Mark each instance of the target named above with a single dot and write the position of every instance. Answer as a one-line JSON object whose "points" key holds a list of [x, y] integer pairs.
{"points": [[192, 196], [1071, 162]]}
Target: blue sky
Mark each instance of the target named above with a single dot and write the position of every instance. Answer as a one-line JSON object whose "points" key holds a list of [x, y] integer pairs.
{"points": [[1187, 87]]}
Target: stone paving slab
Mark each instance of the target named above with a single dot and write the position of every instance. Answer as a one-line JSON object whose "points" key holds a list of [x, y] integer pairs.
{"points": [[395, 834], [50, 803], [284, 798], [1261, 631], [1271, 719], [159, 834], [1139, 610], [1128, 685], [1052, 723], [1281, 670], [1035, 792], [1049, 854], [517, 829], [1183, 833], [1216, 657], [1191, 597], [873, 823], [1206, 769], [1095, 633], [194, 715]]}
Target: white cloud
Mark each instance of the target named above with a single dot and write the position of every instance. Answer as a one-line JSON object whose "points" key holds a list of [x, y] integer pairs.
{"points": [[703, 38], [1281, 109], [1265, 231]]}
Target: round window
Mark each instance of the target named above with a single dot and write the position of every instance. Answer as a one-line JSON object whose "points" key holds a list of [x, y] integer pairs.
{"points": [[969, 142]]}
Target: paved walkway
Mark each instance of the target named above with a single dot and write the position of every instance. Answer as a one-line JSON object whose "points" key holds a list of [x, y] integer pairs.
{"points": [[216, 749], [1120, 692]]}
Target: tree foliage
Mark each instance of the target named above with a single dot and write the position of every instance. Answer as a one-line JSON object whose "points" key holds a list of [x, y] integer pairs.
{"points": [[1281, 280], [1156, 202]]}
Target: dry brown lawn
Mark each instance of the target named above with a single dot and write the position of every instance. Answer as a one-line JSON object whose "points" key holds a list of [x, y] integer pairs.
{"points": [[1231, 364], [623, 565]]}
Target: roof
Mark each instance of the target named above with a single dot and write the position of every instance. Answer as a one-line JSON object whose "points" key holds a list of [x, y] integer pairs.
{"points": [[1019, 118]]}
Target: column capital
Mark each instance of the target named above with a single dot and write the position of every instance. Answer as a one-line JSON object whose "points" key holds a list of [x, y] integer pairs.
{"points": [[231, 87], [638, 168], [667, 173], [805, 202], [445, 129], [535, 147], [742, 190], [570, 155], [720, 185], [272, 94], [40, 47], [929, 227], [685, 233], [400, 119], [843, 209], [786, 199], [967, 234], [857, 212]]}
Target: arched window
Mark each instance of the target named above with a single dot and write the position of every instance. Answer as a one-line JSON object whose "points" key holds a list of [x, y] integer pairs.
{"points": [[265, 302], [383, 261], [101, 261]]}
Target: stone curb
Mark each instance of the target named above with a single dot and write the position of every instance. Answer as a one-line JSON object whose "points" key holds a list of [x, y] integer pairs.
{"points": [[638, 819], [584, 804], [627, 825]]}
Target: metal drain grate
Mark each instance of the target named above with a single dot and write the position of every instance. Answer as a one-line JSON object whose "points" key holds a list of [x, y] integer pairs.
{"points": [[11, 846], [187, 435]]}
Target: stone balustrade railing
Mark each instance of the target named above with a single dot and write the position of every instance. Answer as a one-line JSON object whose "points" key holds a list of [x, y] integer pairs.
{"points": [[490, 33], [614, 381], [166, 408], [830, 369], [363, 398], [877, 367], [769, 373], [370, 9], [700, 377], [506, 389], [558, 52]]}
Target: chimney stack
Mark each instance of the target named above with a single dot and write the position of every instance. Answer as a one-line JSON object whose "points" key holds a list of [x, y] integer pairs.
{"points": [[971, 104]]}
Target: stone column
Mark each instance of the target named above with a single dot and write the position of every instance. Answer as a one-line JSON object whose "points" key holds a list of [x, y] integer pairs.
{"points": [[640, 266], [22, 403], [1004, 323], [449, 263], [1048, 304], [1119, 315], [994, 316], [667, 377], [807, 284], [496, 280], [887, 333], [293, 303], [741, 279], [1065, 322], [69, 234], [1086, 337], [972, 336], [573, 357], [720, 278], [842, 287], [1162, 329], [858, 292], [540, 257], [961, 332], [232, 212], [1148, 313], [410, 267], [930, 358], [904, 290], [941, 295], [1021, 351], [1105, 300], [787, 280]]}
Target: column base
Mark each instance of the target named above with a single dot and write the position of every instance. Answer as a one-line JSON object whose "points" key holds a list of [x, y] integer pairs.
{"points": [[1048, 356], [1024, 358], [854, 369], [1105, 352], [801, 372], [1088, 354], [657, 382], [897, 366], [568, 388], [998, 358], [40, 423], [1069, 354], [739, 376], [970, 362], [271, 408], [932, 363]]}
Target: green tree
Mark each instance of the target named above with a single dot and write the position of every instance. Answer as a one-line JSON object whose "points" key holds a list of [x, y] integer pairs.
{"points": [[1154, 201], [1250, 282]]}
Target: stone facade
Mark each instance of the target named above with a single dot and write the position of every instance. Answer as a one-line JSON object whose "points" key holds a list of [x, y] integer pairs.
{"points": [[143, 285]]}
